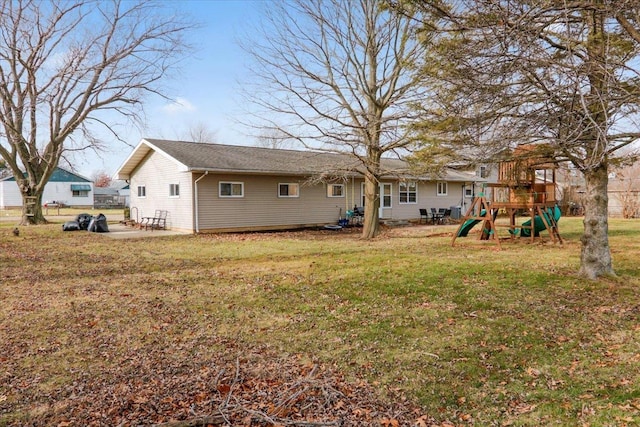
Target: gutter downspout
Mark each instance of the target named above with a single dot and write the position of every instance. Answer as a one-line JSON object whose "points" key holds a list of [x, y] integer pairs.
{"points": [[196, 201]]}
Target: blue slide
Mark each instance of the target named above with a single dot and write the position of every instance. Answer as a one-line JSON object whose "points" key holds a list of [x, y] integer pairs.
{"points": [[538, 224]]}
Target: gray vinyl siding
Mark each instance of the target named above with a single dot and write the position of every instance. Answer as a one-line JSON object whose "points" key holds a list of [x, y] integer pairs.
{"points": [[261, 207], [426, 198], [156, 173]]}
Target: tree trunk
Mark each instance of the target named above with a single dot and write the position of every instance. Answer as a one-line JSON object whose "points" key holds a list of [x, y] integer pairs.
{"points": [[32, 213], [595, 258], [371, 225]]}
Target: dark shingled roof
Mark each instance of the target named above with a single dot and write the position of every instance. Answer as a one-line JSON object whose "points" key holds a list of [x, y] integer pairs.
{"points": [[236, 158], [201, 157]]}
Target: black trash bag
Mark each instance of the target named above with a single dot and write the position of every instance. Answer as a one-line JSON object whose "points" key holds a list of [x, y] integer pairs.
{"points": [[83, 221], [98, 224], [70, 226]]}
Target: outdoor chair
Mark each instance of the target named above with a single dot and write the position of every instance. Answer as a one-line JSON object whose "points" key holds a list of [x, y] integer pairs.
{"points": [[440, 214], [434, 215], [424, 214], [157, 222], [146, 220]]}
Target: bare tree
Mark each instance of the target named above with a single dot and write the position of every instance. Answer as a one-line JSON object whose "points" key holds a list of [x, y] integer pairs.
{"points": [[563, 73], [274, 138], [337, 75], [200, 132], [68, 68]]}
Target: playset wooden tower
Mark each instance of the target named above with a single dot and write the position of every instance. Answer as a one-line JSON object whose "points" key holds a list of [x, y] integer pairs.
{"points": [[526, 186]]}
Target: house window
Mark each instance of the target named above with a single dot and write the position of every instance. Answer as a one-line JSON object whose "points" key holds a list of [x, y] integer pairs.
{"points": [[231, 189], [335, 190], [408, 192], [385, 195], [142, 191], [174, 190], [442, 188], [80, 190], [288, 190], [483, 172]]}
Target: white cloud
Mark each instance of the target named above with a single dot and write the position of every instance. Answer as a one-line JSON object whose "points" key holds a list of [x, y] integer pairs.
{"points": [[179, 105]]}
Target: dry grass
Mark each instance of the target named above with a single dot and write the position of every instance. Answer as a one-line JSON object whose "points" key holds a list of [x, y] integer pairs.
{"points": [[402, 328]]}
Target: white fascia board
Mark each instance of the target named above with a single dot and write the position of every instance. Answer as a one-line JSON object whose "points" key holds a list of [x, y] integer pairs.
{"points": [[139, 153]]}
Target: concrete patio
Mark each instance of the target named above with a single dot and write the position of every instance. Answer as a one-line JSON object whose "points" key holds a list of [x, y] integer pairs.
{"points": [[121, 231]]}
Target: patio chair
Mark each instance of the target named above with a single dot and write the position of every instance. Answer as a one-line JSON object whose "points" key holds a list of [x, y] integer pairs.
{"points": [[145, 221], [158, 222], [439, 215], [442, 214], [434, 215], [423, 214]]}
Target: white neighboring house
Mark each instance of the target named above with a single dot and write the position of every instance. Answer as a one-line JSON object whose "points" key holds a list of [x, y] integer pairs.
{"points": [[64, 187]]}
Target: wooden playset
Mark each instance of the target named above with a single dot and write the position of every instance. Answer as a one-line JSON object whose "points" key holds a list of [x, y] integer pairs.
{"points": [[526, 186]]}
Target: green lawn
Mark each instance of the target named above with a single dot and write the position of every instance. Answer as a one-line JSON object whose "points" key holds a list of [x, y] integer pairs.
{"points": [[438, 335]]}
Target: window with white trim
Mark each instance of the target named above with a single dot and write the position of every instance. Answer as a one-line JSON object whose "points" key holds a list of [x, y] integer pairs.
{"points": [[335, 190], [408, 192], [174, 190], [287, 189], [231, 189], [386, 195], [142, 191], [441, 188]]}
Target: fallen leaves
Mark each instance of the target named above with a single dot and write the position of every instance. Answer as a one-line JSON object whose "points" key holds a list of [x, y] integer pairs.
{"points": [[139, 334], [256, 388]]}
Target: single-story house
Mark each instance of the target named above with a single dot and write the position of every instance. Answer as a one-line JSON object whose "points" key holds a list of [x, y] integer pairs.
{"points": [[64, 187], [221, 188]]}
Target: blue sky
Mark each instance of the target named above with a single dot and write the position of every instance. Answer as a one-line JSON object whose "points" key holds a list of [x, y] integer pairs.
{"points": [[206, 91]]}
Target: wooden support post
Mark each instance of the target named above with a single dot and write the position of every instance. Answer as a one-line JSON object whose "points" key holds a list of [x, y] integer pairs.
{"points": [[480, 210]]}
